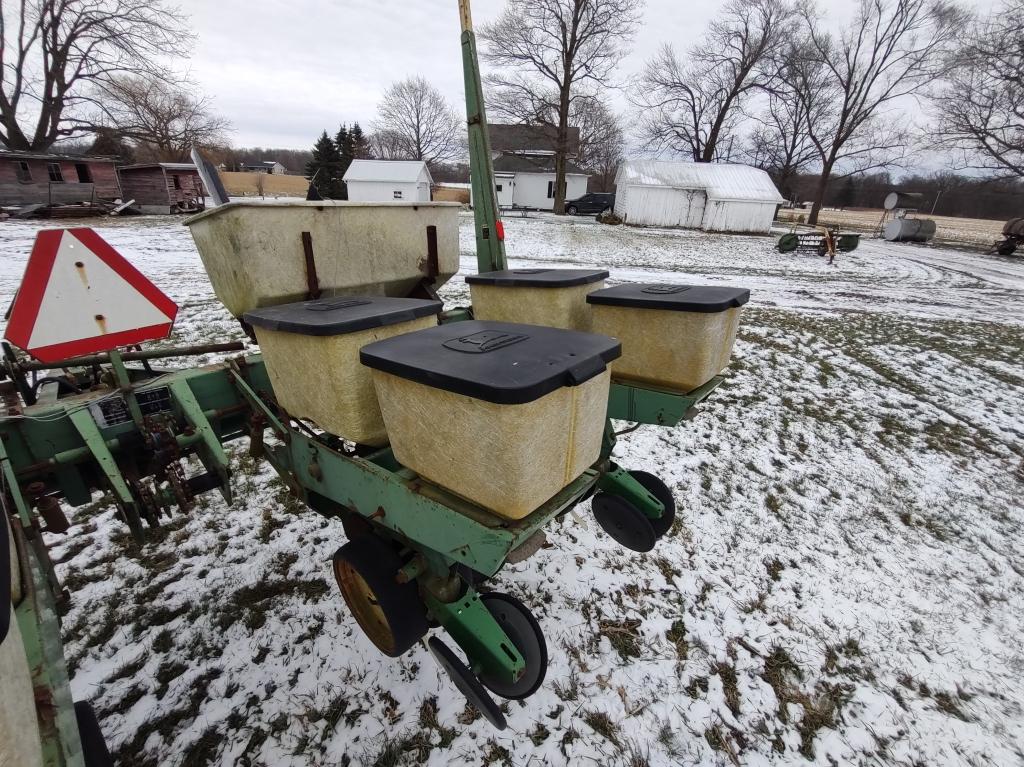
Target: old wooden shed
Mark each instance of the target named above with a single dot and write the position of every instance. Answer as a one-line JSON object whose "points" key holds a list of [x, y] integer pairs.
{"points": [[163, 187], [42, 178]]}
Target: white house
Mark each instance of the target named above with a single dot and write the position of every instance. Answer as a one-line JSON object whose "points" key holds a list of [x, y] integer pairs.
{"points": [[388, 180], [272, 167], [711, 196], [527, 180]]}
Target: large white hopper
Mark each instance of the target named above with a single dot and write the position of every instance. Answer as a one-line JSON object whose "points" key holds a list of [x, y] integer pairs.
{"points": [[254, 254]]}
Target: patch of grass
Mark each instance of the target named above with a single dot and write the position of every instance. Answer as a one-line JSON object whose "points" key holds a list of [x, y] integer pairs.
{"points": [[624, 636], [820, 712], [428, 721], [204, 750], [778, 666], [603, 725], [162, 642], [393, 750], [496, 754], [128, 670], [697, 685], [539, 734], [250, 604], [730, 686], [570, 690], [676, 635], [167, 672], [950, 705], [774, 567]]}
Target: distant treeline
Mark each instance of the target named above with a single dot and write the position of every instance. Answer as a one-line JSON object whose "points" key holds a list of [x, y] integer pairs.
{"points": [[951, 194]]}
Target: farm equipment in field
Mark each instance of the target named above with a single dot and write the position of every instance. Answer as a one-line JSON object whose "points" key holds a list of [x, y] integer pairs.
{"points": [[445, 444], [823, 242], [1013, 237]]}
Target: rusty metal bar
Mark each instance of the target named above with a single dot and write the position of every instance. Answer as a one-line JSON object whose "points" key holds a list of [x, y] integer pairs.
{"points": [[312, 283], [150, 354]]}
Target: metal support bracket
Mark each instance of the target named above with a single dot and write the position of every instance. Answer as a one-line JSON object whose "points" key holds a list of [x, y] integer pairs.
{"points": [[620, 482], [487, 647], [211, 452]]}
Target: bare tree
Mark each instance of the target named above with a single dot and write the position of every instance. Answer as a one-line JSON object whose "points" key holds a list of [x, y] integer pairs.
{"points": [[164, 121], [980, 106], [58, 56], [602, 140], [780, 143], [889, 52], [415, 122], [690, 106], [545, 50]]}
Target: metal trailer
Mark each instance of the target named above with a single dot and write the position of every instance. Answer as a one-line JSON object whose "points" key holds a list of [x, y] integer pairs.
{"points": [[823, 242]]}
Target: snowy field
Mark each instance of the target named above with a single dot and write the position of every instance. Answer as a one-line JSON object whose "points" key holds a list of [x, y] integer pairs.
{"points": [[845, 584]]}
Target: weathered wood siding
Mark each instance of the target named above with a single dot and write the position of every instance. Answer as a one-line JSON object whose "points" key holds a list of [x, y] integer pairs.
{"points": [[147, 186], [40, 189]]}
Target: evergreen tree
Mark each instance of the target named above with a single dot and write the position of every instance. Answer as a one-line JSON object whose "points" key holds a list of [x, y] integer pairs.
{"points": [[325, 169], [360, 144]]}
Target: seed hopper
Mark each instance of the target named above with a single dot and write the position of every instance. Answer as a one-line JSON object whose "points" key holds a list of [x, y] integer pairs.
{"points": [[351, 287]]}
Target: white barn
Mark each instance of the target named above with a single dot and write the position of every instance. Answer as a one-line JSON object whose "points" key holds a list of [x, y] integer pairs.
{"points": [[388, 180], [711, 196]]}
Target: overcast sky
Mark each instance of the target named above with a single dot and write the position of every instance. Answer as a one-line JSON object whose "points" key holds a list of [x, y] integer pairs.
{"points": [[283, 70]]}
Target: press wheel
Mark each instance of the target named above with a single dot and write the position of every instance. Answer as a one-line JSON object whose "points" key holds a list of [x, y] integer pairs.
{"points": [[467, 684], [522, 628], [624, 522], [391, 614], [661, 491]]}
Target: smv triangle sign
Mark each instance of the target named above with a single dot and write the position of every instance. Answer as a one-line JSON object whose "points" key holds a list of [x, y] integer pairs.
{"points": [[80, 296]]}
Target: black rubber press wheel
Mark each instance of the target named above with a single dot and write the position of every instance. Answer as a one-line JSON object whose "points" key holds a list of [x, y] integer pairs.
{"points": [[391, 614], [624, 522], [522, 628], [661, 491], [468, 684]]}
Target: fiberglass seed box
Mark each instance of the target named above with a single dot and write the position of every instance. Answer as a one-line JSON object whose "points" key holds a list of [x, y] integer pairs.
{"points": [[676, 336], [254, 252], [553, 297], [502, 414], [311, 350]]}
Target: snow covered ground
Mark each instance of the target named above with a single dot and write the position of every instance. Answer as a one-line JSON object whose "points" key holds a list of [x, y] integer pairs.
{"points": [[845, 584]]}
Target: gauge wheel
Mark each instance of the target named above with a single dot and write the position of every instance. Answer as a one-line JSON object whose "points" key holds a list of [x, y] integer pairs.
{"points": [[624, 522], [391, 614], [788, 242], [661, 491], [522, 628], [572, 210]]}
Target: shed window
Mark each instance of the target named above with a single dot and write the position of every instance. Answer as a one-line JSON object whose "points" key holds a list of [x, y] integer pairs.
{"points": [[53, 168], [177, 181], [551, 189], [398, 195], [22, 170], [84, 173], [497, 187]]}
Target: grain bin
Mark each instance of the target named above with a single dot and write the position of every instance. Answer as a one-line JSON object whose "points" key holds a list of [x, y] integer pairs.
{"points": [[675, 336], [255, 255], [502, 414], [553, 297], [311, 350], [909, 230]]}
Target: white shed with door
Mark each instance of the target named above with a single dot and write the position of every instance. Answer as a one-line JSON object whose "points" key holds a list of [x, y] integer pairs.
{"points": [[711, 196], [388, 180]]}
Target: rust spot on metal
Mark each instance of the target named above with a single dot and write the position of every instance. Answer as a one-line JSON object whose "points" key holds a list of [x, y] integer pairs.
{"points": [[379, 513], [101, 321], [80, 268]]}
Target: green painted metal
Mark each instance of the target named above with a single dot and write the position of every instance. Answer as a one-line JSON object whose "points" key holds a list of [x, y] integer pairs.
{"points": [[475, 630], [649, 404], [423, 515], [124, 382], [40, 633], [211, 452], [490, 247], [618, 481]]}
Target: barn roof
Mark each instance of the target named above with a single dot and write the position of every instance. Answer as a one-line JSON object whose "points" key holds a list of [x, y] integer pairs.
{"points": [[721, 181], [510, 162], [14, 154], [398, 171]]}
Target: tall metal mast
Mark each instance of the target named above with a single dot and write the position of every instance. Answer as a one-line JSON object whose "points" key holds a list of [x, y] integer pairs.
{"points": [[490, 233]]}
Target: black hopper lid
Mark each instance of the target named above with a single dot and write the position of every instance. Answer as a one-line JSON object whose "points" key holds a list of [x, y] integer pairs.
{"points": [[538, 278], [340, 315], [500, 362], [679, 298]]}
